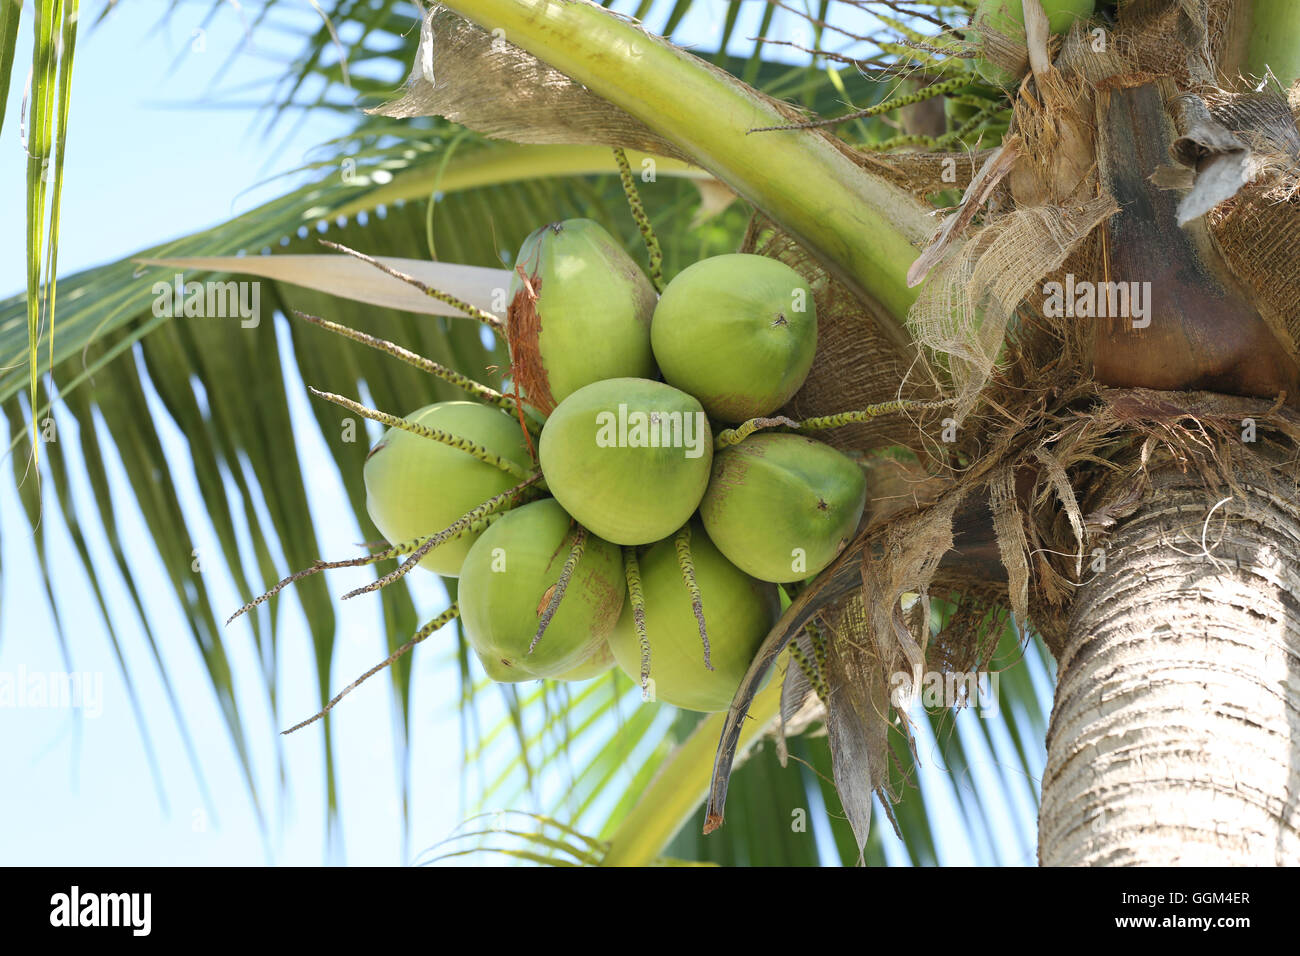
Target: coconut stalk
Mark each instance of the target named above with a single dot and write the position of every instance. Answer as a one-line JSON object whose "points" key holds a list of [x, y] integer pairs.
{"points": [[860, 227], [682, 783], [1271, 29]]}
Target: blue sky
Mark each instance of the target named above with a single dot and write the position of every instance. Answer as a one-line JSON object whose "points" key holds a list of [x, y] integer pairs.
{"points": [[152, 156]]}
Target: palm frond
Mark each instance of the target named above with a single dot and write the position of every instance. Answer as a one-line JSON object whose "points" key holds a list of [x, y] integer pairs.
{"points": [[121, 365], [126, 377]]}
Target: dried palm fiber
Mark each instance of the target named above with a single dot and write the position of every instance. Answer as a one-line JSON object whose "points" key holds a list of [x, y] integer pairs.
{"points": [[1259, 238], [1007, 52], [970, 633], [1180, 38], [1055, 124], [966, 309], [1111, 446], [1055, 167], [1258, 231], [1057, 461], [858, 716], [924, 173], [471, 77]]}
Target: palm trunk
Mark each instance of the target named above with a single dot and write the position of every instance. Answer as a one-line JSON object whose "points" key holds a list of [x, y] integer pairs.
{"points": [[1175, 736]]}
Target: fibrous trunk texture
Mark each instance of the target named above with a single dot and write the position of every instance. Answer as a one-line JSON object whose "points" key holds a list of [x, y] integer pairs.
{"points": [[1175, 736]]}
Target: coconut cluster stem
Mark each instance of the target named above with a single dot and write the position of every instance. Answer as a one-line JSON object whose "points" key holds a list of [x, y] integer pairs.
{"points": [[841, 419], [442, 620], [632, 571], [910, 99], [984, 114], [473, 311], [687, 564], [734, 436], [562, 585], [648, 236], [405, 547], [483, 393], [497, 503], [898, 142], [415, 428]]}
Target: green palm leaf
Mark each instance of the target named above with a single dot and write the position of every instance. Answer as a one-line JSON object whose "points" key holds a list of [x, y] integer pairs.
{"points": [[120, 371]]}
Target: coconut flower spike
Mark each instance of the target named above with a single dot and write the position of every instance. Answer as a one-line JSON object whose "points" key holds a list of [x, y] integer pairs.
{"points": [[811, 668], [683, 544], [632, 571], [734, 436], [483, 393], [406, 547], [648, 236], [497, 504], [443, 619], [415, 428], [897, 102], [472, 311], [557, 591]]}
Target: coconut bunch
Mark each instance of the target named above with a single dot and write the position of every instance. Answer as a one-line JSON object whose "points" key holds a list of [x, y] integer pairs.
{"points": [[633, 499], [656, 535]]}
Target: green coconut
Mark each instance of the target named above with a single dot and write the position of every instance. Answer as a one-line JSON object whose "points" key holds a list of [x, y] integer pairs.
{"points": [[628, 458], [738, 332], [590, 319], [416, 487], [738, 613], [1008, 18], [508, 580], [781, 507], [598, 663]]}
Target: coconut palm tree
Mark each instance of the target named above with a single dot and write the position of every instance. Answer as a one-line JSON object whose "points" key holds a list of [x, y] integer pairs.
{"points": [[1074, 393]]}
